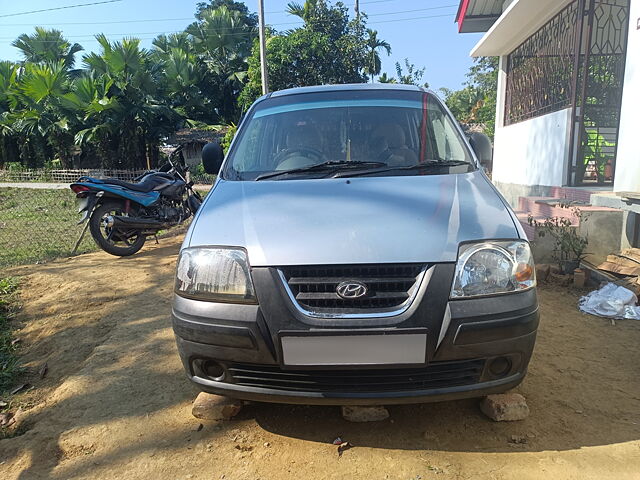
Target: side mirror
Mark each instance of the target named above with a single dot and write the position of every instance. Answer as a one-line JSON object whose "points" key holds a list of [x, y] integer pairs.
{"points": [[212, 157], [481, 144]]}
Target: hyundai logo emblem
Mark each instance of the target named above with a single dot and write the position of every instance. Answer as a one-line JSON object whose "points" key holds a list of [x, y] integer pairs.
{"points": [[351, 289]]}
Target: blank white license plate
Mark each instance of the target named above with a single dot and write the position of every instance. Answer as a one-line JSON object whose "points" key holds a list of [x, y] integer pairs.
{"points": [[355, 349]]}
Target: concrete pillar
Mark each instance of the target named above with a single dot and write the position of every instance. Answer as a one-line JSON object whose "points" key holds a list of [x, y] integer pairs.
{"points": [[627, 175], [501, 91]]}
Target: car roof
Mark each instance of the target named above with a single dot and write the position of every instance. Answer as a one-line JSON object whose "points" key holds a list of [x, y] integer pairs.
{"points": [[347, 87]]}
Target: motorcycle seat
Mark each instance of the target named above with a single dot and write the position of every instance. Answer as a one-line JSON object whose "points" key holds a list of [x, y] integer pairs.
{"points": [[146, 185]]}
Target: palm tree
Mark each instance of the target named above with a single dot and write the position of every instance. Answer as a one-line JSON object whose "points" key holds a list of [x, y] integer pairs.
{"points": [[47, 46], [8, 84], [165, 43], [36, 117], [136, 115], [373, 45], [385, 78], [222, 40], [97, 112], [302, 11], [183, 81]]}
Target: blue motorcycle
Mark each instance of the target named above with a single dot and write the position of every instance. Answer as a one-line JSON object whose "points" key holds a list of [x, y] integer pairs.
{"points": [[121, 214]]}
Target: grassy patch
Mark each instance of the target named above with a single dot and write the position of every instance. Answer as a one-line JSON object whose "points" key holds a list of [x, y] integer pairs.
{"points": [[9, 366], [38, 224]]}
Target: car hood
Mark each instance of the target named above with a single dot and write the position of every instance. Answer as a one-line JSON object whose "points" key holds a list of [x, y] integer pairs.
{"points": [[401, 219]]}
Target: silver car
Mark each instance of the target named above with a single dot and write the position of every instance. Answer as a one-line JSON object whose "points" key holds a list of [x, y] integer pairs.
{"points": [[353, 251]]}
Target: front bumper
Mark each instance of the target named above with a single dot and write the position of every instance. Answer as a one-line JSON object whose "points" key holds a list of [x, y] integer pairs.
{"points": [[475, 347]]}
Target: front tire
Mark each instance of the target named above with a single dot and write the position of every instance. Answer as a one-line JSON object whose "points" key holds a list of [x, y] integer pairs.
{"points": [[121, 244]]}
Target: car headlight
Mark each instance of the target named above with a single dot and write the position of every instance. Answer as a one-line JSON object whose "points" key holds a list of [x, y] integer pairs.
{"points": [[215, 274], [492, 268]]}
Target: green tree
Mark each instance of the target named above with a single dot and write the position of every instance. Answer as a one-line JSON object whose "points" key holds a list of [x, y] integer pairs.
{"points": [[125, 99], [250, 19], [163, 44], [135, 116], [328, 48], [222, 39], [385, 78], [410, 75], [206, 65], [374, 44], [8, 85], [33, 125], [47, 46], [476, 101], [185, 77], [35, 118]]}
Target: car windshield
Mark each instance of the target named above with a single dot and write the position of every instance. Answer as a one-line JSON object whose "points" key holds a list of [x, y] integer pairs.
{"points": [[314, 135]]}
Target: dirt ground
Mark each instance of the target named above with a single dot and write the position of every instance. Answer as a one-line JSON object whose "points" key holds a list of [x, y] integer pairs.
{"points": [[116, 405]]}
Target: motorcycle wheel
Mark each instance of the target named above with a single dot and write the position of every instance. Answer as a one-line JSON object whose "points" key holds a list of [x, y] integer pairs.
{"points": [[110, 240]]}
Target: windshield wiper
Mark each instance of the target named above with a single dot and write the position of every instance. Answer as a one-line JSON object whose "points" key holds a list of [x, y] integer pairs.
{"points": [[330, 165], [429, 164]]}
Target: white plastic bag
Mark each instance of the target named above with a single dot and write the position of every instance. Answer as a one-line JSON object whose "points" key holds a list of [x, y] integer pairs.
{"points": [[611, 301]]}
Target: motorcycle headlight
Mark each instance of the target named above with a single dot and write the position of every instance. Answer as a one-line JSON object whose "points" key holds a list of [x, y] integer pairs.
{"points": [[215, 274], [492, 268]]}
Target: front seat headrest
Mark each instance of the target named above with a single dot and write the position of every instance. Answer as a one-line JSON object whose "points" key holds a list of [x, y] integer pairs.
{"points": [[392, 133], [303, 136]]}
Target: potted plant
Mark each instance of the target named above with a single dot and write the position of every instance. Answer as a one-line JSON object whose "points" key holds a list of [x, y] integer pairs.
{"points": [[569, 248]]}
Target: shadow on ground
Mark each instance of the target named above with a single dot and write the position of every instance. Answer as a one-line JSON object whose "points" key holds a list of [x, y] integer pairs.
{"points": [[117, 402]]}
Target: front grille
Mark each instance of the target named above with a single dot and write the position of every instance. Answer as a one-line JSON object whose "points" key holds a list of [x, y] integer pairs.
{"points": [[435, 375], [389, 286]]}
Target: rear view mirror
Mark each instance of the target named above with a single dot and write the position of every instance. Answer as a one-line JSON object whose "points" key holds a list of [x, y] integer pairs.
{"points": [[481, 145], [212, 156]]}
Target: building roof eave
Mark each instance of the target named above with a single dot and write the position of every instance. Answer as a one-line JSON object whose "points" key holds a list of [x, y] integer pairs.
{"points": [[518, 22], [475, 16]]}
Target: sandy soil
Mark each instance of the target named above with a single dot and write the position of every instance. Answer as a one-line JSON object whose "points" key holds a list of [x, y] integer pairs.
{"points": [[115, 403]]}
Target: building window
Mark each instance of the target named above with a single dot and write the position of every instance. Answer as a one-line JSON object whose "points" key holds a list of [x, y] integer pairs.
{"points": [[540, 70]]}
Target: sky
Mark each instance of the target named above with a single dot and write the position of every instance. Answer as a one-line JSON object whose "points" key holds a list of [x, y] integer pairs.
{"points": [[421, 30]]}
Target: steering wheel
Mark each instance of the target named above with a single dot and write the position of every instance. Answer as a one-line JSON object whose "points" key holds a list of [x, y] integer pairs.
{"points": [[384, 156], [303, 151]]}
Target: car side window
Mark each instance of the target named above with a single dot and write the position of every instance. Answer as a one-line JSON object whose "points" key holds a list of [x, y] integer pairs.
{"points": [[444, 132]]}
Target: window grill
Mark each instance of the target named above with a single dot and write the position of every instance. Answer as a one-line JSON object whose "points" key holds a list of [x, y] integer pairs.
{"points": [[575, 60], [540, 70], [600, 96]]}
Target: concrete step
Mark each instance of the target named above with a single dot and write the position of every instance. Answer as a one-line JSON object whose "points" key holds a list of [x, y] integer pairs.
{"points": [[524, 218], [550, 207], [571, 194], [530, 230], [601, 224], [543, 207]]}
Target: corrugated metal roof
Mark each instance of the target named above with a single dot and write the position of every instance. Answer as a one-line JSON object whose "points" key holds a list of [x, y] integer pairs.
{"points": [[484, 7], [195, 135], [478, 15]]}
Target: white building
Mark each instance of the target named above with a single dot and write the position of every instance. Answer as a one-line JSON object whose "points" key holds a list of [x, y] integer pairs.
{"points": [[568, 93], [567, 128]]}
